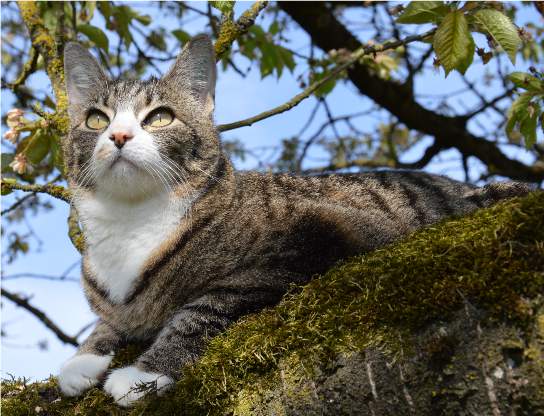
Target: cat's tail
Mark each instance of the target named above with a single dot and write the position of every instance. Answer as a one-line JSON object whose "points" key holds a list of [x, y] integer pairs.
{"points": [[494, 192]]}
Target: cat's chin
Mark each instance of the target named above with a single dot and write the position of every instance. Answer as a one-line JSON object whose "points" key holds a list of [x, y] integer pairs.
{"points": [[127, 182]]}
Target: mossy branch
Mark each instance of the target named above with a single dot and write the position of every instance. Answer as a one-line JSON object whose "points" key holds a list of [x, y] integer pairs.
{"points": [[55, 191], [352, 59], [230, 31], [74, 232], [46, 45]]}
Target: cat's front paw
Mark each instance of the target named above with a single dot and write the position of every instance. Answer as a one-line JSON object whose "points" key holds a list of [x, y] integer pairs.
{"points": [[129, 384], [81, 372]]}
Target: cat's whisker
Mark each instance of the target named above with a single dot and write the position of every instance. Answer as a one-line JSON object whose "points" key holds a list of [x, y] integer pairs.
{"points": [[87, 169], [148, 167], [167, 162], [88, 175]]}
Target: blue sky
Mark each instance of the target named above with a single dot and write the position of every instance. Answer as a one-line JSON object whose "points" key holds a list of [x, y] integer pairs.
{"points": [[236, 98]]}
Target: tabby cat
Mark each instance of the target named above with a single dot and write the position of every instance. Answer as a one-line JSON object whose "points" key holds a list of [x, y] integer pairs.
{"points": [[179, 246]]}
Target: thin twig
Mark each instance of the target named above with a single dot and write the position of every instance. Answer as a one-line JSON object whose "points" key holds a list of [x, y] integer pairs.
{"points": [[17, 203], [28, 68], [23, 303], [41, 277]]}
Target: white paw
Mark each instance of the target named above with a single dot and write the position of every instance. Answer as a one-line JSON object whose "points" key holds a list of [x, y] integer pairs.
{"points": [[126, 385], [81, 372]]}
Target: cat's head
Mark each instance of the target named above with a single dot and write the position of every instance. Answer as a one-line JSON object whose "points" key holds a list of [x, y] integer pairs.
{"points": [[132, 138]]}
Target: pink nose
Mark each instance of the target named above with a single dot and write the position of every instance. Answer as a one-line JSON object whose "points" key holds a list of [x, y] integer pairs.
{"points": [[120, 138]]}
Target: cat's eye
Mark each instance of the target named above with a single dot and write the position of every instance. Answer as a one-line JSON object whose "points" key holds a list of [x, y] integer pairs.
{"points": [[160, 117], [97, 120]]}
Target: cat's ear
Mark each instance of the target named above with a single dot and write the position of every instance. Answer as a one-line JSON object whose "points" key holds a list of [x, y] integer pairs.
{"points": [[195, 69], [83, 75]]}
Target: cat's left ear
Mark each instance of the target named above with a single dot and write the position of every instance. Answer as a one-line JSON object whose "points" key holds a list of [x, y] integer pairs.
{"points": [[195, 70], [83, 74]]}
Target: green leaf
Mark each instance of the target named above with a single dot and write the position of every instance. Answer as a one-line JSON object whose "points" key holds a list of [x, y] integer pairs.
{"points": [[517, 112], [453, 43], [122, 16], [57, 156], [38, 147], [419, 12], [96, 35], [105, 8], [156, 40], [528, 125], [526, 81], [286, 57], [144, 19], [181, 35], [501, 29], [87, 10], [7, 158], [326, 88]]}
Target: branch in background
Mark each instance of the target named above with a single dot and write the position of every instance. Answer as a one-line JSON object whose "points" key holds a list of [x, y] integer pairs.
{"points": [[18, 203], [230, 31], [361, 163], [28, 68], [320, 130], [353, 58], [429, 153], [40, 277], [23, 303], [488, 104], [328, 33], [55, 191]]}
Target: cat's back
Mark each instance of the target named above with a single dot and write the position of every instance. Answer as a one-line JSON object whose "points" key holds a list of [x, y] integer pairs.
{"points": [[383, 190], [379, 206]]}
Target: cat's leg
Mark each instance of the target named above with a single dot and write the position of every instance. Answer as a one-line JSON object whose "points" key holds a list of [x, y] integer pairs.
{"points": [[88, 366], [182, 340]]}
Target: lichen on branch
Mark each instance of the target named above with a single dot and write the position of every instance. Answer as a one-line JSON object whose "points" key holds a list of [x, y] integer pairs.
{"points": [[231, 30], [45, 43]]}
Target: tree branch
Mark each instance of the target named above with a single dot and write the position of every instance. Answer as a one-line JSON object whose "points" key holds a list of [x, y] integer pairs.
{"points": [[23, 303], [74, 232], [46, 45], [55, 191], [230, 31], [351, 60]]}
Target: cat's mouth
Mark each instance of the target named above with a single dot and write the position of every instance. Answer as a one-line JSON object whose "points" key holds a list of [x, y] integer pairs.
{"points": [[120, 160]]}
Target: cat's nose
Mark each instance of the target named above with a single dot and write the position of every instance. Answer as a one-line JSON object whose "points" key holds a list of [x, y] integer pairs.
{"points": [[120, 138]]}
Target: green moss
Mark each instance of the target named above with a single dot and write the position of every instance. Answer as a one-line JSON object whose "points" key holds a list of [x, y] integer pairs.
{"points": [[493, 258]]}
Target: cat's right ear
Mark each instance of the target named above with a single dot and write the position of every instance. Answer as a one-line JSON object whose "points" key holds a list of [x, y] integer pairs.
{"points": [[83, 74]]}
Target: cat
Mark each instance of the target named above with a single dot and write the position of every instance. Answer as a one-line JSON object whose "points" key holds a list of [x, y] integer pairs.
{"points": [[179, 245]]}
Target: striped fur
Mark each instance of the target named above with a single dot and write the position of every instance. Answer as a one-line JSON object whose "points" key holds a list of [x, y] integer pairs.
{"points": [[248, 236]]}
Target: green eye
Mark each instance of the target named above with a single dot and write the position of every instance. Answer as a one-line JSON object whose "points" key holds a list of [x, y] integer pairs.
{"points": [[97, 120], [159, 118]]}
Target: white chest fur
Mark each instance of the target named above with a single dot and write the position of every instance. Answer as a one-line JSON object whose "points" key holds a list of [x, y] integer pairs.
{"points": [[121, 236]]}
